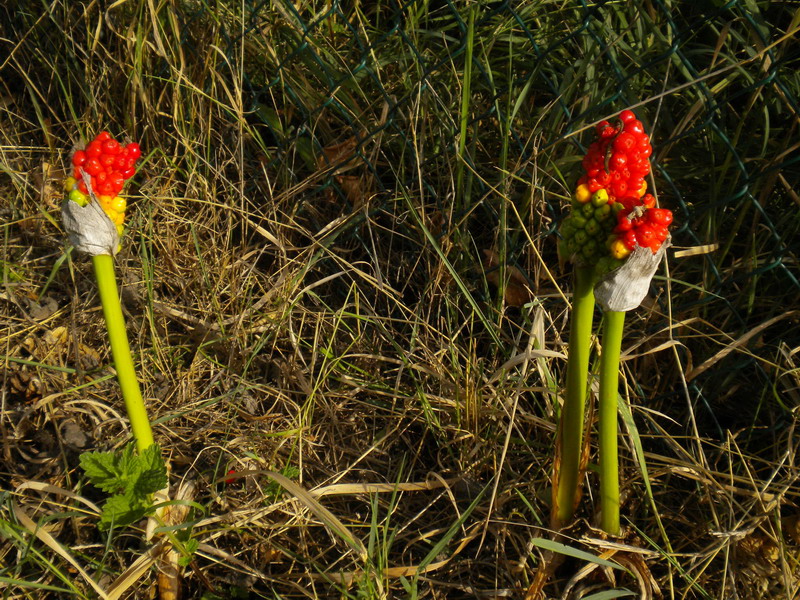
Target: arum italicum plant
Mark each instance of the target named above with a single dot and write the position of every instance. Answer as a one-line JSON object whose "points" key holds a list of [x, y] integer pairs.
{"points": [[616, 237], [94, 215]]}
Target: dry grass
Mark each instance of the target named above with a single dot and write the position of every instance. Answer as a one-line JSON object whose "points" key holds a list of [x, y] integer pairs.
{"points": [[365, 319]]}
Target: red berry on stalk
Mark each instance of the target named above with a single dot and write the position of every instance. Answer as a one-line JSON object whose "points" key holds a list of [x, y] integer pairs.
{"points": [[103, 136], [134, 150], [107, 160], [111, 146], [79, 158], [626, 115], [624, 142], [94, 149], [117, 180], [93, 166], [634, 127], [619, 160], [660, 216]]}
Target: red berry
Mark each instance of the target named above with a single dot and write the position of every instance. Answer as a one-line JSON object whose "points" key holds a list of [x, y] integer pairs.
{"points": [[624, 142], [111, 146], [619, 188], [634, 126], [629, 239], [94, 149], [82, 186], [626, 115], [623, 224], [76, 173], [117, 180], [107, 160], [608, 132], [134, 150], [594, 185], [93, 166], [106, 189], [660, 216], [645, 235], [660, 232], [618, 160], [604, 178], [128, 173], [102, 136], [79, 158]]}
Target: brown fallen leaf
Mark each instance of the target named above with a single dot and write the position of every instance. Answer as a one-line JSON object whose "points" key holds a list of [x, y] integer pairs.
{"points": [[517, 292]]}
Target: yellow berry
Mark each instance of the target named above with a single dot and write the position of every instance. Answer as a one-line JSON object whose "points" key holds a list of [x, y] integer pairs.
{"points": [[618, 249], [118, 218], [119, 204], [78, 197], [582, 194], [69, 184], [643, 189], [120, 229]]}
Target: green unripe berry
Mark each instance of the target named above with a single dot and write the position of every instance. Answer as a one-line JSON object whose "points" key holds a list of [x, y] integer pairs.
{"points": [[580, 237], [600, 197], [578, 221], [601, 212], [592, 227], [78, 197], [587, 210]]}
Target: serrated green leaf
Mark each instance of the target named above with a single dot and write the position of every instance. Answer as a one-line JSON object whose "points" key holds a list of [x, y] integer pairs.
{"points": [[104, 470], [190, 547], [119, 511], [150, 475]]}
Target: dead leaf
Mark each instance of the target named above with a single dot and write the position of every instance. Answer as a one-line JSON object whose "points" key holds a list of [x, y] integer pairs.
{"points": [[340, 157], [517, 292]]}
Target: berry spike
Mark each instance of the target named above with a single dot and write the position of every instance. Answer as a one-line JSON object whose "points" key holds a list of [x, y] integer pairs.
{"points": [[611, 211], [107, 165]]}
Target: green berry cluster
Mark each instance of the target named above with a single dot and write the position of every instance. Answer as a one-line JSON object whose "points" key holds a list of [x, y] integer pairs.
{"points": [[585, 231]]}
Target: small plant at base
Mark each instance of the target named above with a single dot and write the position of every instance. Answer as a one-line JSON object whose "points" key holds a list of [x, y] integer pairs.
{"points": [[131, 479]]}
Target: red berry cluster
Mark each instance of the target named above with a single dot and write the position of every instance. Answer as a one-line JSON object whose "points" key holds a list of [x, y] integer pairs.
{"points": [[611, 211], [107, 162], [641, 224], [617, 160]]}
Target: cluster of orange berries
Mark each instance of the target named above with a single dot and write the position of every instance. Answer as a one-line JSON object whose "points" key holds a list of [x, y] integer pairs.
{"points": [[611, 211], [108, 165]]}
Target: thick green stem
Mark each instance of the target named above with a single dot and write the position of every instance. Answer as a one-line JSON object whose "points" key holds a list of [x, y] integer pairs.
{"points": [[571, 432], [120, 349], [607, 408]]}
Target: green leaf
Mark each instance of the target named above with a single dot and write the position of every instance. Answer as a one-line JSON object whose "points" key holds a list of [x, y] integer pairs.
{"points": [[574, 552], [119, 511], [609, 594], [108, 471], [150, 475], [190, 547]]}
